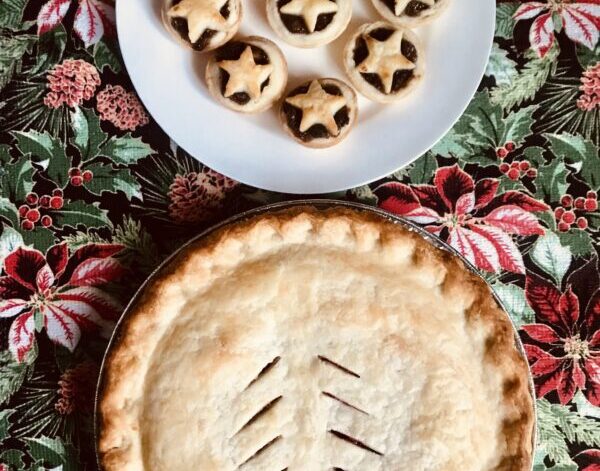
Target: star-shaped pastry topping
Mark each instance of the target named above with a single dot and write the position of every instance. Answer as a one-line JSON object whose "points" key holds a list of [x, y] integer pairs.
{"points": [[245, 75], [309, 10], [318, 107], [400, 5], [385, 58], [201, 15]]}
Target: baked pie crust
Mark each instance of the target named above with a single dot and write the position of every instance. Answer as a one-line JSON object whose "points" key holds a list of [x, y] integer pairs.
{"points": [[202, 25], [309, 23], [384, 62], [315, 340], [320, 112], [247, 75], [410, 13]]}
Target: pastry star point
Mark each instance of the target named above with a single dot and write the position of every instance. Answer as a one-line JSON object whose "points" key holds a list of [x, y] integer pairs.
{"points": [[385, 58], [201, 15], [309, 10], [245, 75], [318, 107]]}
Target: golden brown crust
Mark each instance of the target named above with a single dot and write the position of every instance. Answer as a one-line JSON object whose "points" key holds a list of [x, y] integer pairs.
{"points": [[126, 363]]}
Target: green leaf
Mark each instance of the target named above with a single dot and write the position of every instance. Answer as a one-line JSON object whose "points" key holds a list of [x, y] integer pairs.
{"points": [[50, 451], [551, 437], [580, 242], [12, 49], [364, 194], [588, 57], [89, 136], [41, 238], [13, 458], [104, 56], [513, 299], [504, 19], [11, 14], [518, 125], [47, 151], [12, 375], [552, 180], [551, 256], [17, 181], [584, 407], [50, 49], [575, 149], [9, 212], [535, 155], [500, 66], [452, 144], [10, 240], [77, 213], [482, 122], [109, 179], [4, 423], [126, 150], [423, 169]]}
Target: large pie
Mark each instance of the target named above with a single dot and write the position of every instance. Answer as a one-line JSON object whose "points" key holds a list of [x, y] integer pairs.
{"points": [[315, 340]]}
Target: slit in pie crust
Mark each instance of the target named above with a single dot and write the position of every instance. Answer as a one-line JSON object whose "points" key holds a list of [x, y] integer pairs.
{"points": [[410, 13], [315, 340]]}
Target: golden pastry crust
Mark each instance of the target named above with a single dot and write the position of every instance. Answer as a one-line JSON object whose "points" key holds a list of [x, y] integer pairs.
{"points": [[400, 18], [248, 72], [338, 24], [229, 326], [223, 29], [385, 61]]}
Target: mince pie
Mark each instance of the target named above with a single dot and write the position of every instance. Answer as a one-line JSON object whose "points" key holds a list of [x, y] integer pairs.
{"points": [[410, 13], [319, 113], [247, 75], [309, 23], [310, 340], [202, 25], [384, 62]]}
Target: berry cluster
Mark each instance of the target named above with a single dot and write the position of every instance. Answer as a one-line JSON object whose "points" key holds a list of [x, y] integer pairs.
{"points": [[566, 214], [30, 212], [516, 170], [78, 178], [502, 152]]}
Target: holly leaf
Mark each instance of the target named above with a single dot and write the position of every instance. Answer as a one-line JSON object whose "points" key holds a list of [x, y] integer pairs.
{"points": [[89, 136], [513, 299], [452, 144], [482, 122], [104, 56], [4, 423], [9, 212], [41, 238], [517, 126], [579, 242], [110, 179], [551, 256], [50, 451], [535, 155], [47, 151], [16, 181], [12, 375], [551, 181], [587, 56], [126, 150], [11, 14], [50, 50], [423, 169], [13, 458], [75, 213], [12, 49], [576, 149], [500, 66], [504, 19]]}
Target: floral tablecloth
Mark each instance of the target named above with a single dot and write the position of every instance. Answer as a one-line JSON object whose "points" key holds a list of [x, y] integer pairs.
{"points": [[93, 195]]}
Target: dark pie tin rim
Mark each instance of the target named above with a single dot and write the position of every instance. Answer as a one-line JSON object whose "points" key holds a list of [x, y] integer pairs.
{"points": [[319, 204]]}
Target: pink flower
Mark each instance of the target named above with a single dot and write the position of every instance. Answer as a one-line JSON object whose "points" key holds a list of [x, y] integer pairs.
{"points": [[580, 21], [121, 108], [564, 347], [477, 222], [195, 196], [59, 292], [590, 86], [77, 387], [71, 82]]}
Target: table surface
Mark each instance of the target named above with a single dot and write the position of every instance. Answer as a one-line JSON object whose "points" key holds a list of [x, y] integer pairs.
{"points": [[93, 195]]}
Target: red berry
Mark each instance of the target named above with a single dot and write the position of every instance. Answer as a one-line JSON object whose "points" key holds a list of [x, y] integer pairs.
{"points": [[558, 212], [33, 215], [45, 201], [504, 167], [87, 176], [27, 225], [514, 165], [23, 210], [592, 195], [509, 146], [568, 217], [46, 221], [74, 172], [524, 166], [57, 192], [514, 174], [501, 152], [76, 181], [566, 201], [532, 173], [563, 226], [582, 223], [590, 204], [31, 198], [579, 202], [56, 202]]}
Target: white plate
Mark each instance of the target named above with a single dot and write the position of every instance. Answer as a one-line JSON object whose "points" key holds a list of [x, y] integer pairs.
{"points": [[255, 150]]}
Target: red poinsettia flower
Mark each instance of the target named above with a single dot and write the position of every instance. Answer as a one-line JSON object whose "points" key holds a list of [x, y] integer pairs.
{"points": [[580, 20], [588, 460], [59, 292], [564, 347], [477, 222], [93, 18]]}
